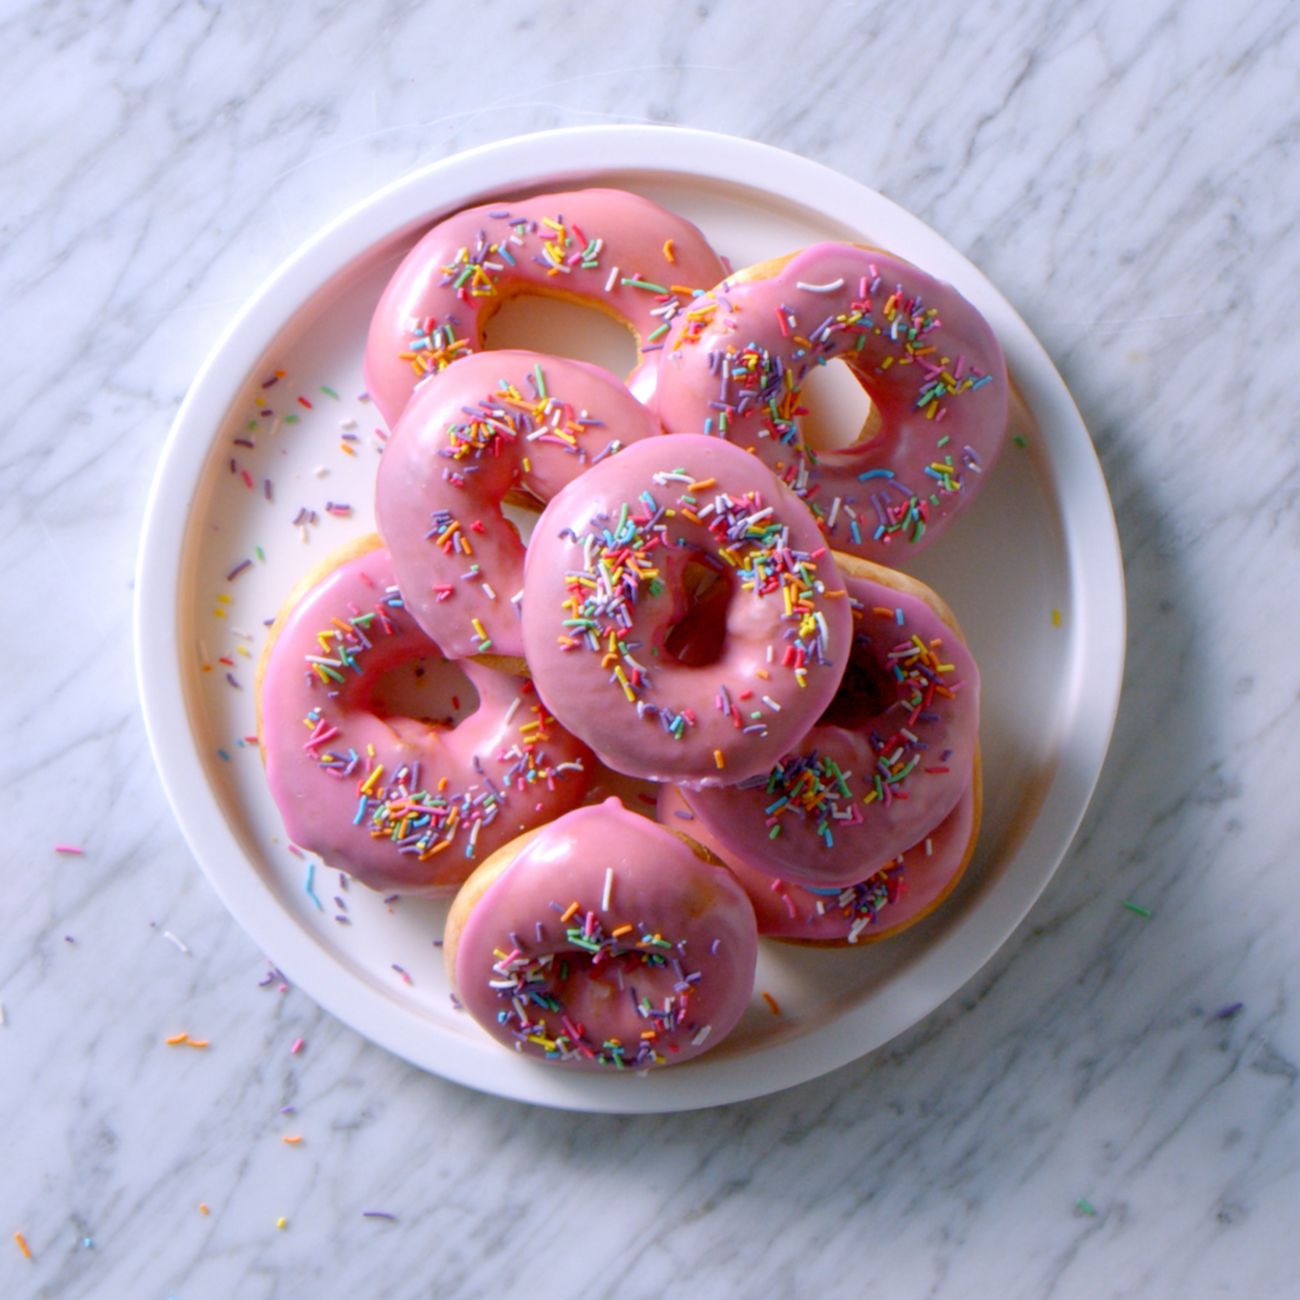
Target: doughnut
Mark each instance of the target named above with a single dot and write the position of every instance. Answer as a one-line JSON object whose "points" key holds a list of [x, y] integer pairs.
{"points": [[497, 425], [734, 362], [608, 579], [901, 893], [607, 249], [885, 764], [603, 941], [398, 803]]}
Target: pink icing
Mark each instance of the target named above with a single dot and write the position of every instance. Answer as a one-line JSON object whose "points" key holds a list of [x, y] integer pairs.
{"points": [[610, 249], [884, 903], [497, 422], [670, 987], [507, 766], [933, 369], [886, 764], [605, 580]]}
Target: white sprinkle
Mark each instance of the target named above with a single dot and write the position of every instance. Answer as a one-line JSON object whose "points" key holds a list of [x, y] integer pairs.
{"points": [[320, 471], [2, 1014], [167, 934], [929, 847], [828, 287], [514, 705], [347, 425], [491, 595], [771, 704], [612, 281], [609, 887], [702, 1035]]}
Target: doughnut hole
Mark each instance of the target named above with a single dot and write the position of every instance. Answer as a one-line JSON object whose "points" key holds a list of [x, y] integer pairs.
{"points": [[839, 411], [427, 690], [696, 639], [558, 327], [865, 692]]}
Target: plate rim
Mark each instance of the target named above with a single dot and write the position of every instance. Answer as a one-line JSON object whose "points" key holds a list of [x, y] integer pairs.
{"points": [[565, 156]]}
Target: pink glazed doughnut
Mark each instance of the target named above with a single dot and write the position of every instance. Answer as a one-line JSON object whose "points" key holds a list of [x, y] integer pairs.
{"points": [[734, 362], [607, 249], [606, 584], [497, 424], [896, 897], [398, 803], [888, 761], [603, 941]]}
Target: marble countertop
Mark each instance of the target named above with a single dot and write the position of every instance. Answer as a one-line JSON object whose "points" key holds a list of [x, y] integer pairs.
{"points": [[1108, 1109]]}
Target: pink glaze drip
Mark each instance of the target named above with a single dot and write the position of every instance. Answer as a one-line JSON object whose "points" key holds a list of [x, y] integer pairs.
{"points": [[495, 423], [604, 578], [607, 248], [682, 974], [507, 767], [855, 793], [880, 905], [928, 360]]}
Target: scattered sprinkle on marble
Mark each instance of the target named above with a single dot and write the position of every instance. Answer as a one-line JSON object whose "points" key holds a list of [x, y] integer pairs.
{"points": [[282, 1223], [1085, 1206], [772, 1004], [22, 1245], [1138, 910], [379, 1214], [1056, 618], [168, 935], [1223, 1013], [292, 1139], [298, 1045], [70, 850]]}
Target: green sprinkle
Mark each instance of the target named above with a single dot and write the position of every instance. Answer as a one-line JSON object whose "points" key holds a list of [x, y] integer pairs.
{"points": [[261, 554], [291, 419], [1138, 910], [644, 284], [329, 392], [1085, 1206], [222, 754], [1019, 441]]}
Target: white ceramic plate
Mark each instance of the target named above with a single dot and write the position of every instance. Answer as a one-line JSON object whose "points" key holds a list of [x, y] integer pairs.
{"points": [[1033, 571]]}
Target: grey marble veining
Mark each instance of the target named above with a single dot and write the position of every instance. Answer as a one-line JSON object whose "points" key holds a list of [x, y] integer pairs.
{"points": [[1127, 175]]}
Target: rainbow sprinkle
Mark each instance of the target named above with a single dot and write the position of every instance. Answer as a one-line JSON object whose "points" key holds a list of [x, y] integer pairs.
{"points": [[529, 985], [418, 818], [622, 558]]}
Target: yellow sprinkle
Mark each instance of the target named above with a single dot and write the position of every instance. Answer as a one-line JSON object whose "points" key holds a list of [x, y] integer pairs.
{"points": [[22, 1245], [282, 1223], [203, 1208], [224, 598], [1056, 618], [369, 783]]}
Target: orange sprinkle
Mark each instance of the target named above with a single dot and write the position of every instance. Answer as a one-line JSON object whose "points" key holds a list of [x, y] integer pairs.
{"points": [[203, 1208], [668, 251], [569, 913], [772, 1004], [291, 1139], [620, 931], [22, 1245], [176, 1038], [196, 1042], [718, 759], [343, 446]]}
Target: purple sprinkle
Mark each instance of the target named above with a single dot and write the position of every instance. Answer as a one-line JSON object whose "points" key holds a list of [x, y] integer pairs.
{"points": [[1227, 1013]]}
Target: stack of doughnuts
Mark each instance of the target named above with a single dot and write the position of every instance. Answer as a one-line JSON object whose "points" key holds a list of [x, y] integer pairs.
{"points": [[706, 602]]}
